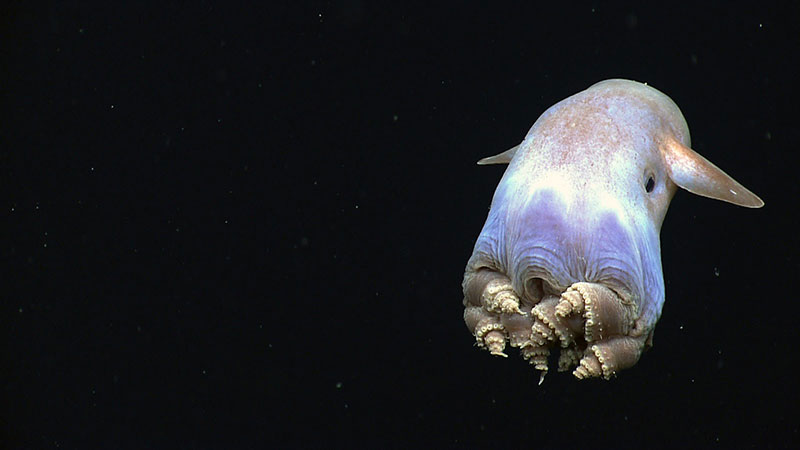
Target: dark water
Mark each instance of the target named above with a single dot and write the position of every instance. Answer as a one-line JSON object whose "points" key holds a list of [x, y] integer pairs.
{"points": [[246, 226]]}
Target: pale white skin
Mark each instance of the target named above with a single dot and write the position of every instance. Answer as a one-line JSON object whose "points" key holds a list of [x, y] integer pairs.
{"points": [[569, 256]]}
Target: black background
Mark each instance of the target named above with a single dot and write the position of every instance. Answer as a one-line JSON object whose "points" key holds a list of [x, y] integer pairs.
{"points": [[238, 225]]}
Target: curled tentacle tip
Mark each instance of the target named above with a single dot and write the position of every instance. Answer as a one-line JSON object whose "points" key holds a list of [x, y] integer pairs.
{"points": [[512, 309], [564, 308]]}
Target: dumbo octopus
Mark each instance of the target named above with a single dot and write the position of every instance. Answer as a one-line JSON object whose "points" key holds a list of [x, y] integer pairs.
{"points": [[569, 256]]}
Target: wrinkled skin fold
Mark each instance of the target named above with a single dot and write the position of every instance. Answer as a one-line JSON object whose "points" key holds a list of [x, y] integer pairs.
{"points": [[569, 258]]}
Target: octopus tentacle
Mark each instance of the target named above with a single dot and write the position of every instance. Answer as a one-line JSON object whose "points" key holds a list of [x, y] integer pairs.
{"points": [[569, 358], [591, 323], [607, 357], [488, 330], [545, 313], [606, 313], [518, 328], [537, 355], [499, 296]]}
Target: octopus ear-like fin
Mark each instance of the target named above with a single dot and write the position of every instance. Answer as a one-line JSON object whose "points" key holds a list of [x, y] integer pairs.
{"points": [[500, 158], [699, 176]]}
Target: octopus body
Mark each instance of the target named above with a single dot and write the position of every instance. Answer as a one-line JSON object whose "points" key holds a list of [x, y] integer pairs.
{"points": [[569, 258]]}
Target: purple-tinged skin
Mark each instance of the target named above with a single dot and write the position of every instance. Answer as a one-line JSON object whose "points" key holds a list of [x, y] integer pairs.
{"points": [[569, 256]]}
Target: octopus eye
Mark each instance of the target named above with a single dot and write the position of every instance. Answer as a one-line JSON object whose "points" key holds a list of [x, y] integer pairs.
{"points": [[649, 184]]}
